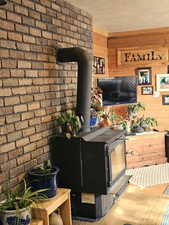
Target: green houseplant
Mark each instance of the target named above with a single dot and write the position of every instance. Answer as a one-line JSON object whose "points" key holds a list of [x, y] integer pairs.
{"points": [[148, 123], [69, 123], [134, 109], [16, 208], [43, 177]]}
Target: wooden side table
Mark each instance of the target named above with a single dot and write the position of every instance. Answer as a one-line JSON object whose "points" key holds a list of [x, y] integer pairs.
{"points": [[61, 201]]}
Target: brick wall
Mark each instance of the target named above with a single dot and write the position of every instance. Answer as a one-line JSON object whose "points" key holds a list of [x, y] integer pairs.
{"points": [[33, 88]]}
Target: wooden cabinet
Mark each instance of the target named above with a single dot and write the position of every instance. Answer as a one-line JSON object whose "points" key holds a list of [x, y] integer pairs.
{"points": [[43, 210], [145, 149]]}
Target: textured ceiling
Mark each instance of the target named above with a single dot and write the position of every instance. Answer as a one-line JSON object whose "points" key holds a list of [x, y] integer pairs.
{"points": [[126, 15]]}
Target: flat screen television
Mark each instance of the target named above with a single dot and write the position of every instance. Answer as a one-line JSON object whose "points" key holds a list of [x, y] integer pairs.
{"points": [[118, 90]]}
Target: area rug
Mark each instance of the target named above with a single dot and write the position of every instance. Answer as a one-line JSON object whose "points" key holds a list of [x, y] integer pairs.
{"points": [[149, 175]]}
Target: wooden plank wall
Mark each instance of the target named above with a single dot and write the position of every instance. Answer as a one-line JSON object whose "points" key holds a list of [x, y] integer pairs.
{"points": [[100, 50], [153, 38]]}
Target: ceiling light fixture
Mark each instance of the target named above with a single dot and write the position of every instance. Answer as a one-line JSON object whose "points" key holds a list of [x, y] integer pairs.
{"points": [[3, 2]]}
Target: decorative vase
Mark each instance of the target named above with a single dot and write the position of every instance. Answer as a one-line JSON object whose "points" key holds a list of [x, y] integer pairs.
{"points": [[47, 181], [14, 217]]}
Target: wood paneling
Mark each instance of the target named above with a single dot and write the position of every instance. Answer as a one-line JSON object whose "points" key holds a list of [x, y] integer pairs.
{"points": [[100, 50], [155, 38]]}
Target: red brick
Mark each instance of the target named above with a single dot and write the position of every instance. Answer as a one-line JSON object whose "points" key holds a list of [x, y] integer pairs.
{"points": [[16, 171], [21, 10], [22, 28], [40, 112], [20, 108], [22, 142], [24, 158], [34, 14], [28, 21], [23, 82], [40, 25], [7, 44], [29, 131], [21, 125], [29, 39], [19, 91], [6, 129], [33, 106], [3, 34], [5, 92], [6, 110], [3, 158], [4, 53], [17, 73], [8, 165], [2, 120], [29, 4], [31, 56], [37, 153], [4, 73], [40, 8], [16, 54], [6, 25], [29, 148], [56, 7], [23, 46], [47, 34], [7, 147], [15, 153], [35, 121], [9, 63], [14, 136], [2, 13], [31, 73], [10, 82], [12, 118], [14, 17], [15, 36], [27, 115], [42, 142], [35, 32], [24, 64], [3, 140], [26, 98]]}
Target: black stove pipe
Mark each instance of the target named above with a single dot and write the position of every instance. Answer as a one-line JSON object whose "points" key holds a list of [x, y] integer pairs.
{"points": [[3, 2], [80, 56]]}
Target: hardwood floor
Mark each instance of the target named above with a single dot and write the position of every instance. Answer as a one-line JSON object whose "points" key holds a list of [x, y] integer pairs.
{"points": [[136, 206]]}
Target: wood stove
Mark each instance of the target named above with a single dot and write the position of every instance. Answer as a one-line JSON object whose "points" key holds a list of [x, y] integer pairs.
{"points": [[93, 166]]}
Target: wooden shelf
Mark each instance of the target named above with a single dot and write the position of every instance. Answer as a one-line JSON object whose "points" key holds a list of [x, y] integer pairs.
{"points": [[61, 201]]}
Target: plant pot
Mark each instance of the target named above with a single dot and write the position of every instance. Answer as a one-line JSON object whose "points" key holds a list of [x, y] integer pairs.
{"points": [[138, 130], [15, 217], [47, 181]]}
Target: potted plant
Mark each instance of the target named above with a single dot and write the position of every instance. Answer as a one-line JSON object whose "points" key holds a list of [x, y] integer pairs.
{"points": [[43, 177], [96, 99], [134, 109], [136, 126], [148, 122], [16, 208], [69, 123]]}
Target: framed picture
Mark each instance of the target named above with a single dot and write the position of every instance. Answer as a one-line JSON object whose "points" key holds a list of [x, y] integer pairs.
{"points": [[147, 90], [144, 75], [98, 65], [162, 82], [165, 99]]}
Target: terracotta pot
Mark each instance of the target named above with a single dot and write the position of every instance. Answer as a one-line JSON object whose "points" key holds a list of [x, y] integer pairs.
{"points": [[105, 123]]}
